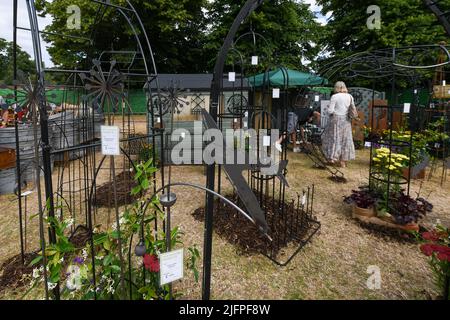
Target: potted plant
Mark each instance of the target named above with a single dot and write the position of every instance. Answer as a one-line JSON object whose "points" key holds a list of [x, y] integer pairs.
{"points": [[438, 141], [363, 202], [407, 211]]}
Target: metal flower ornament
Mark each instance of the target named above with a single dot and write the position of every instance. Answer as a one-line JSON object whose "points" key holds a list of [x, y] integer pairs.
{"points": [[105, 89], [172, 100]]}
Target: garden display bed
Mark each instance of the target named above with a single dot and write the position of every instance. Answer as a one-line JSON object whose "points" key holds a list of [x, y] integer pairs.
{"points": [[14, 273], [292, 227], [124, 183]]}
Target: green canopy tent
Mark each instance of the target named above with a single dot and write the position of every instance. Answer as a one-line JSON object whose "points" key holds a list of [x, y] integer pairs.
{"points": [[289, 78]]}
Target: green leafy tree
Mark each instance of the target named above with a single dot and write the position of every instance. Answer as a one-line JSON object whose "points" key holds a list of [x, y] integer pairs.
{"points": [[24, 61], [403, 23], [172, 26], [289, 28]]}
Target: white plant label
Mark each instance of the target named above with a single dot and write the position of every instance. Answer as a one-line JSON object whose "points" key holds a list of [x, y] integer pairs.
{"points": [[158, 120], [304, 200], [110, 140], [171, 266], [231, 76], [415, 91], [316, 98], [245, 124], [406, 107], [367, 144], [266, 141], [235, 120], [374, 280], [444, 83], [276, 93], [254, 60]]}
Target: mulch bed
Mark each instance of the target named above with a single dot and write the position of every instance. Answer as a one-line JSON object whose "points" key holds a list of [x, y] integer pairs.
{"points": [[13, 271], [239, 231], [80, 236], [124, 183]]}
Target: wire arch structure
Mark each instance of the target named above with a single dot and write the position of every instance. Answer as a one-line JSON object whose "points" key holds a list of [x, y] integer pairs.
{"points": [[95, 93], [414, 66]]}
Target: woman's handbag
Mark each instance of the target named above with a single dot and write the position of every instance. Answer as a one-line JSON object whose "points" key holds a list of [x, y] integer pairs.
{"points": [[352, 112]]}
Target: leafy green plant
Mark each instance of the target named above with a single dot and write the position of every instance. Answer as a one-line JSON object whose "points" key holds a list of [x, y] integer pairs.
{"points": [[74, 268]]}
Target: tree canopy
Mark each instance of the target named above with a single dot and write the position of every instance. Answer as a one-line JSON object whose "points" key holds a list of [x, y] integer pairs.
{"points": [[403, 23], [290, 34], [185, 34], [24, 61], [171, 25]]}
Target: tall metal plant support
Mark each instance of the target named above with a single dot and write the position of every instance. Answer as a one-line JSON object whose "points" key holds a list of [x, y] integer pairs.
{"points": [[92, 94], [216, 88]]}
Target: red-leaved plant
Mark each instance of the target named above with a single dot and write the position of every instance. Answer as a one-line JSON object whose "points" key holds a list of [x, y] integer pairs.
{"points": [[437, 246]]}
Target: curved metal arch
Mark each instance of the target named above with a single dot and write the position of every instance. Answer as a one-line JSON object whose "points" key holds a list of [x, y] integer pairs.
{"points": [[253, 35], [433, 5]]}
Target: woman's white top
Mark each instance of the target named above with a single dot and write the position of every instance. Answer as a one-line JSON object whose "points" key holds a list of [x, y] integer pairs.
{"points": [[339, 104]]}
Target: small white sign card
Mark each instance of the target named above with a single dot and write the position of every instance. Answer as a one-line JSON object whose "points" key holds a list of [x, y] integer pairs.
{"points": [[406, 107], [276, 93], [316, 98], [231, 76], [158, 119], [304, 199], [254, 60], [110, 140], [367, 144], [171, 266], [266, 141]]}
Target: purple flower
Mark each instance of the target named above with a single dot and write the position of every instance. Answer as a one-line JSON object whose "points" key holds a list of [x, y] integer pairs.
{"points": [[78, 260]]}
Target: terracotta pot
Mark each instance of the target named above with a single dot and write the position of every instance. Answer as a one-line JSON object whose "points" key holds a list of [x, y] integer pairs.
{"points": [[411, 227], [369, 212]]}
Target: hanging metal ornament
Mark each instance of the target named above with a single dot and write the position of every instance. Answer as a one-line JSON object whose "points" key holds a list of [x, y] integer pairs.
{"points": [[172, 99], [104, 88]]}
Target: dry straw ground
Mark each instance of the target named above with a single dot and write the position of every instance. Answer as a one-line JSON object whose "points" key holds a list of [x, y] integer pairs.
{"points": [[333, 266]]}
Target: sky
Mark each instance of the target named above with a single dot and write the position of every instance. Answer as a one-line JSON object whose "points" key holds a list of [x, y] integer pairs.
{"points": [[24, 37]]}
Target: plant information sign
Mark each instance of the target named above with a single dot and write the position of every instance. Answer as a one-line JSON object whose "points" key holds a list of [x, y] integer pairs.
{"points": [[171, 266], [110, 140]]}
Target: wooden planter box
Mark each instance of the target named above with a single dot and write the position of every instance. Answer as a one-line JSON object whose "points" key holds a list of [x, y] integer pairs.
{"points": [[7, 158], [378, 221], [363, 212]]}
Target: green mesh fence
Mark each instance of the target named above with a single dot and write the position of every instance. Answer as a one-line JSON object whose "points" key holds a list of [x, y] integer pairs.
{"points": [[137, 99]]}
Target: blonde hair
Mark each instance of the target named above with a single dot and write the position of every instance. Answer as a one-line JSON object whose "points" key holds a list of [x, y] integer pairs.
{"points": [[340, 87]]}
